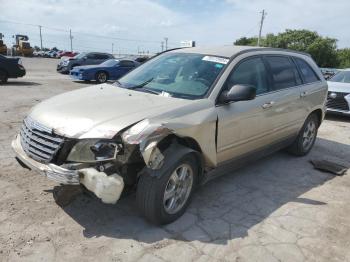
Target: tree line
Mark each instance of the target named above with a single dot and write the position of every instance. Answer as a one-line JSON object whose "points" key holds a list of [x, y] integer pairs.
{"points": [[323, 50]]}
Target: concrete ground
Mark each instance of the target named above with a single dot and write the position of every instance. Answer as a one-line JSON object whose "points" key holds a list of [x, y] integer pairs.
{"points": [[277, 209]]}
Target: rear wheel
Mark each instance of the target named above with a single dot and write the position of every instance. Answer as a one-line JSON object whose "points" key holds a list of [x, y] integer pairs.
{"points": [[101, 77], [3, 77], [306, 138], [164, 199]]}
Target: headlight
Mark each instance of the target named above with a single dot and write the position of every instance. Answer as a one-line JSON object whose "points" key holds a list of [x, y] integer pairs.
{"points": [[65, 63], [92, 150], [138, 132]]}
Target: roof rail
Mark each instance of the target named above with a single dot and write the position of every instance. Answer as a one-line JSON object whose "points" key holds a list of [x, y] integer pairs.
{"points": [[272, 49]]}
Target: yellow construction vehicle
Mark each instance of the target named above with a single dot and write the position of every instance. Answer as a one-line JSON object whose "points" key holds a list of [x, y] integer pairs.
{"points": [[22, 46], [3, 47]]}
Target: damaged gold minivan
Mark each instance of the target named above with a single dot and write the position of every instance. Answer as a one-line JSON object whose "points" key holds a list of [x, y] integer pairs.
{"points": [[175, 122]]}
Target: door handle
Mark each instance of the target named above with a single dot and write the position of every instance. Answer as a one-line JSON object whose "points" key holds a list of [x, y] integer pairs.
{"points": [[303, 94], [268, 105]]}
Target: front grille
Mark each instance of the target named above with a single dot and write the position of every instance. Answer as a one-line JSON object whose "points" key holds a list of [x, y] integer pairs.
{"points": [[339, 102], [38, 141]]}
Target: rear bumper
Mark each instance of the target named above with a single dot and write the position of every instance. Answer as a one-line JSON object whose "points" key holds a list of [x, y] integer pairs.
{"points": [[53, 172]]}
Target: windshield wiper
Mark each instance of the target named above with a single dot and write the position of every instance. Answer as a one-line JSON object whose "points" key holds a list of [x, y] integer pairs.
{"points": [[142, 86]]}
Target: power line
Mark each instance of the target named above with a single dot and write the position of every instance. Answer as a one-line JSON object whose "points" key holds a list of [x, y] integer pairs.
{"points": [[82, 33]]}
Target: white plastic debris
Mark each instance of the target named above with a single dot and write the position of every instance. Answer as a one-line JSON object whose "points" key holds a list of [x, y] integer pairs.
{"points": [[107, 188]]}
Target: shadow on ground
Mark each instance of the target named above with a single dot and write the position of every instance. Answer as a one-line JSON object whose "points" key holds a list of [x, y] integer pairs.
{"points": [[338, 118], [21, 83], [223, 209]]}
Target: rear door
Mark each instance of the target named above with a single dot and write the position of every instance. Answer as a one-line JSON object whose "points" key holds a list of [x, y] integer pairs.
{"points": [[245, 126], [285, 102]]}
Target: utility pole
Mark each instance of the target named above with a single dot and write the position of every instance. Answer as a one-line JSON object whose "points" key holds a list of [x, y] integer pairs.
{"points": [[71, 40], [162, 45], [263, 16], [41, 38], [166, 43]]}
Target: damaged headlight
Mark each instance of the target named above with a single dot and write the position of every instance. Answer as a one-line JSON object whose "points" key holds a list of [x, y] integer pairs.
{"points": [[92, 150], [143, 129]]}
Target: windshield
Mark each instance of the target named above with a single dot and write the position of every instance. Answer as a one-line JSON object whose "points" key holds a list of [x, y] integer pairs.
{"points": [[342, 77], [80, 56], [176, 74], [110, 62]]}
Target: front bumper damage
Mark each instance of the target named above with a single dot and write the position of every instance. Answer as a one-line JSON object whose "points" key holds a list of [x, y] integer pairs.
{"points": [[107, 188]]}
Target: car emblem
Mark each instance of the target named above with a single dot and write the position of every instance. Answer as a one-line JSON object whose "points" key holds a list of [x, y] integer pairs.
{"points": [[333, 95]]}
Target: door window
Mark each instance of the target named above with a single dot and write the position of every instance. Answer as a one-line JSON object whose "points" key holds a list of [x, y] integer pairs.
{"points": [[101, 56], [284, 73], [91, 56], [126, 63], [306, 71], [250, 72]]}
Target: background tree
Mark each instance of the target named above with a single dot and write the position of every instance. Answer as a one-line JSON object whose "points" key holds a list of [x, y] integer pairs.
{"points": [[322, 49], [344, 57]]}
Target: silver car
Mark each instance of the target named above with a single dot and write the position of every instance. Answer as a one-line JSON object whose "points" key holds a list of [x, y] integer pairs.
{"points": [[338, 100], [175, 122], [93, 58]]}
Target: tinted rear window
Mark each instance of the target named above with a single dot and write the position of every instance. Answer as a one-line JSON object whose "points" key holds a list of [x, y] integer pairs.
{"points": [[307, 72], [284, 72]]}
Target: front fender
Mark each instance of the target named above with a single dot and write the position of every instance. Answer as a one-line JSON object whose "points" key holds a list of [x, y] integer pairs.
{"points": [[172, 154]]}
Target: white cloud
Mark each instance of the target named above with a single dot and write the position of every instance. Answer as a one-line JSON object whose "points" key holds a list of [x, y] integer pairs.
{"points": [[153, 20]]}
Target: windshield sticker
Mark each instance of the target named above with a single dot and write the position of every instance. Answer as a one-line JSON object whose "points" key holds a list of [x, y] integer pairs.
{"points": [[219, 65], [216, 59], [166, 94]]}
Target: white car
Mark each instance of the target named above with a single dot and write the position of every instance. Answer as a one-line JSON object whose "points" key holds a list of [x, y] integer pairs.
{"points": [[338, 100]]}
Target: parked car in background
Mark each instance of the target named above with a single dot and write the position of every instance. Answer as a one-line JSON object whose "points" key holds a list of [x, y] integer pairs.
{"points": [[10, 67], [338, 100], [329, 72], [93, 58], [175, 122], [67, 54], [111, 69]]}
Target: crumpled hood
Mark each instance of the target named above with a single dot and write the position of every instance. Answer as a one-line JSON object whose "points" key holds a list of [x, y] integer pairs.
{"points": [[101, 111], [338, 87]]}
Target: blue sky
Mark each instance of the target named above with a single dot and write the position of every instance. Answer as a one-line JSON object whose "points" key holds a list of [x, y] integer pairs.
{"points": [[133, 25]]}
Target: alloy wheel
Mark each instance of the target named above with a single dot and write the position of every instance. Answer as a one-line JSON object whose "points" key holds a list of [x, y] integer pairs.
{"points": [[178, 189]]}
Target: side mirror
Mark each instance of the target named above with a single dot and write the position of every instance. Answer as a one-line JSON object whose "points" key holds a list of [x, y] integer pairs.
{"points": [[238, 93]]}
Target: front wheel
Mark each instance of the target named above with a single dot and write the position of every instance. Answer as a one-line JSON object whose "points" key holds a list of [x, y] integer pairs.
{"points": [[164, 199], [306, 137], [101, 77]]}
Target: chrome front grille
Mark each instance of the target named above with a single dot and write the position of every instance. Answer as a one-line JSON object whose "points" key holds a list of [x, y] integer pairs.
{"points": [[38, 141], [338, 102]]}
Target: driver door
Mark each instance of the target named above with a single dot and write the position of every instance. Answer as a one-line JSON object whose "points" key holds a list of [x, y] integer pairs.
{"points": [[245, 126]]}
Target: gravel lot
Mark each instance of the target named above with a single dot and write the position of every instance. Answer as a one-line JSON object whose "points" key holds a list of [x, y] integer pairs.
{"points": [[277, 209]]}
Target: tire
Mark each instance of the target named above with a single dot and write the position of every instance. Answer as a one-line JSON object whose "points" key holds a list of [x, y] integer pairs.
{"points": [[150, 194], [3, 77], [101, 77], [306, 137]]}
